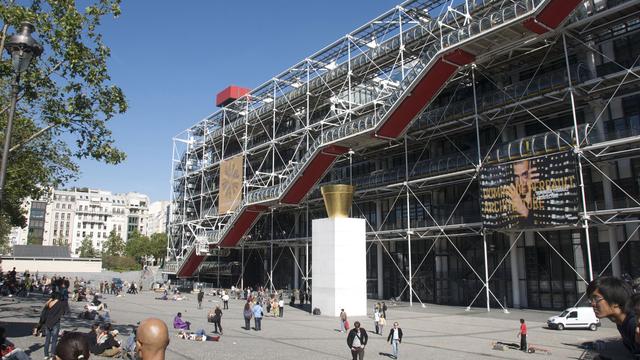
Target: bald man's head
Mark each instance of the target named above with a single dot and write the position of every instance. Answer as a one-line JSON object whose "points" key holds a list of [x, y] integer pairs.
{"points": [[152, 339]]}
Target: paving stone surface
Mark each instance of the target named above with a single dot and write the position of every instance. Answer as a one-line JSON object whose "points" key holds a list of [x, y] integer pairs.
{"points": [[430, 332]]}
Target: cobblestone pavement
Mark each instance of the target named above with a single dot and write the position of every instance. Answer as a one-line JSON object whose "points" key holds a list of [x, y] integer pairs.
{"points": [[432, 332]]}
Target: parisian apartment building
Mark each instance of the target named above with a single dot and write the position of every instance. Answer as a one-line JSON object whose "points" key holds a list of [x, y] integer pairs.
{"points": [[69, 216]]}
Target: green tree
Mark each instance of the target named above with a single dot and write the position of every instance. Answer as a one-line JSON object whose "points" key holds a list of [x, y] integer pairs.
{"points": [[114, 246], [158, 245], [86, 249], [67, 94], [137, 245]]}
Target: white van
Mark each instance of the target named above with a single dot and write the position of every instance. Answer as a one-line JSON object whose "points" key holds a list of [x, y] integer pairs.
{"points": [[575, 318]]}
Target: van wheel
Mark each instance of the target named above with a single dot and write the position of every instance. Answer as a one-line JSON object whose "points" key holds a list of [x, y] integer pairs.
{"points": [[593, 327], [560, 327]]}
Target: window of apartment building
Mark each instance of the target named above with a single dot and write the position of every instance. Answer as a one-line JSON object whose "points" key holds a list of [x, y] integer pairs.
{"points": [[104, 235], [57, 205], [68, 216], [55, 232], [57, 215], [84, 234]]}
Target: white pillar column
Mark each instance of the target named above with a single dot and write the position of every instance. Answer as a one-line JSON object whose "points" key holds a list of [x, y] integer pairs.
{"points": [[515, 276]]}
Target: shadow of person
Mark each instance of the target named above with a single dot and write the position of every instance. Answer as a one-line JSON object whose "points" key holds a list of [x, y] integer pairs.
{"points": [[33, 348], [386, 354], [18, 329]]}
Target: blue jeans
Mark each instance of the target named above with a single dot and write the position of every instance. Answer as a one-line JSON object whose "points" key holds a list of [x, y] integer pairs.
{"points": [[51, 339], [258, 321], [394, 348]]}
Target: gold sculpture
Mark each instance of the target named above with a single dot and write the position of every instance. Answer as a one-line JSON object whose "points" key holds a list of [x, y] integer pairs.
{"points": [[337, 199]]}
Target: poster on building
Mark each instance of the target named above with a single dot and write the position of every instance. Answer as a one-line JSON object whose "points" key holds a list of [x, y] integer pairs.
{"points": [[231, 177], [539, 192]]}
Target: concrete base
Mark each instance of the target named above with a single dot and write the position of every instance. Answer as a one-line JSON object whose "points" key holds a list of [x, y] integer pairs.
{"points": [[339, 278]]}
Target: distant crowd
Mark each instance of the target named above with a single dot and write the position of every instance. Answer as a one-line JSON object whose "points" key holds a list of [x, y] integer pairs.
{"points": [[610, 298]]}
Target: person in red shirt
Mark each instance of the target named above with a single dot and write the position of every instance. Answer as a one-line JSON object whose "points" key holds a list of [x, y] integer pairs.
{"points": [[523, 335]]}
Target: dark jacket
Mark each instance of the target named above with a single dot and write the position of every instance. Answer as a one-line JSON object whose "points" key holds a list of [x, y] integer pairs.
{"points": [[92, 339], [352, 334], [52, 314], [107, 344], [391, 335], [200, 296]]}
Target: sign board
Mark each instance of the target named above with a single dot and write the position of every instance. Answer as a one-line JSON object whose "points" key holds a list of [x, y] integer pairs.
{"points": [[537, 192]]}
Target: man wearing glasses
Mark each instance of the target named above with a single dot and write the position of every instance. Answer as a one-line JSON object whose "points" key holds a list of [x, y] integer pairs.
{"points": [[395, 337], [608, 296]]}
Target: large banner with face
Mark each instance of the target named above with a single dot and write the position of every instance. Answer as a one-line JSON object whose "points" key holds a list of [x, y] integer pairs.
{"points": [[538, 192]]}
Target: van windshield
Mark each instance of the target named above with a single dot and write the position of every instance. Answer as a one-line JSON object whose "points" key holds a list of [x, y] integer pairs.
{"points": [[564, 313]]}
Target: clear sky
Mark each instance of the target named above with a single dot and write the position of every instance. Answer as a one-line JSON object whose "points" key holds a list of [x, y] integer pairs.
{"points": [[172, 57]]}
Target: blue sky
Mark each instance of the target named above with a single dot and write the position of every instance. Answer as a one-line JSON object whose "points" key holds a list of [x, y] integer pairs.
{"points": [[171, 58]]}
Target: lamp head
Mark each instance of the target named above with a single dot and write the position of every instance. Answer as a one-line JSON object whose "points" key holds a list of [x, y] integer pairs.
{"points": [[23, 47]]}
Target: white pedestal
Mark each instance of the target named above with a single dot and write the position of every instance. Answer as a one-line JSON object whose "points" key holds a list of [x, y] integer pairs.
{"points": [[339, 276]]}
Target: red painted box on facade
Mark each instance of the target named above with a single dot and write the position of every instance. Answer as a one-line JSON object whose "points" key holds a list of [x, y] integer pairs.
{"points": [[230, 94]]}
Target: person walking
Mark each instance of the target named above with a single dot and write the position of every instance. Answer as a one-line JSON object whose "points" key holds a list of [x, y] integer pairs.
{"points": [[225, 300], [384, 310], [357, 340], [395, 338], [217, 319], [343, 320], [200, 297], [376, 321], [523, 335], [281, 306], [50, 318], [381, 324], [247, 313], [257, 315]]}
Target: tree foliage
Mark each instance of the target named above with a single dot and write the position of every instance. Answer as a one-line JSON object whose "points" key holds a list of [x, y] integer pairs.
{"points": [[67, 88], [86, 249], [114, 246], [120, 263], [140, 246]]}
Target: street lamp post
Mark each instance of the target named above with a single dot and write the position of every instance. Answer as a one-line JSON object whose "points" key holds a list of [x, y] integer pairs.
{"points": [[22, 48]]}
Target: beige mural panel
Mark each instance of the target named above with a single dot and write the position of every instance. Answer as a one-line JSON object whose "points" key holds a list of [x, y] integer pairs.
{"points": [[231, 177]]}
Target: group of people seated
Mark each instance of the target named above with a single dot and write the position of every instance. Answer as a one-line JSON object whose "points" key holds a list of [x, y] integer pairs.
{"points": [[199, 335], [176, 297], [103, 342]]}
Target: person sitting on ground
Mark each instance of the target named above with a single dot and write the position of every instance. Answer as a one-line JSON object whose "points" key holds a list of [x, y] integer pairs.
{"points": [[165, 296], [107, 346], [72, 346], [608, 297], [199, 335], [8, 351], [152, 339], [87, 314], [105, 317], [178, 323]]}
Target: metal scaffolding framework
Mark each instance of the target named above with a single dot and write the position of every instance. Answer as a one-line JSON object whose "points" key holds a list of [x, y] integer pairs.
{"points": [[373, 95]]}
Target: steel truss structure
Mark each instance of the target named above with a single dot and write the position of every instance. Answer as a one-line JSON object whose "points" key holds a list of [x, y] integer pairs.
{"points": [[409, 108]]}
